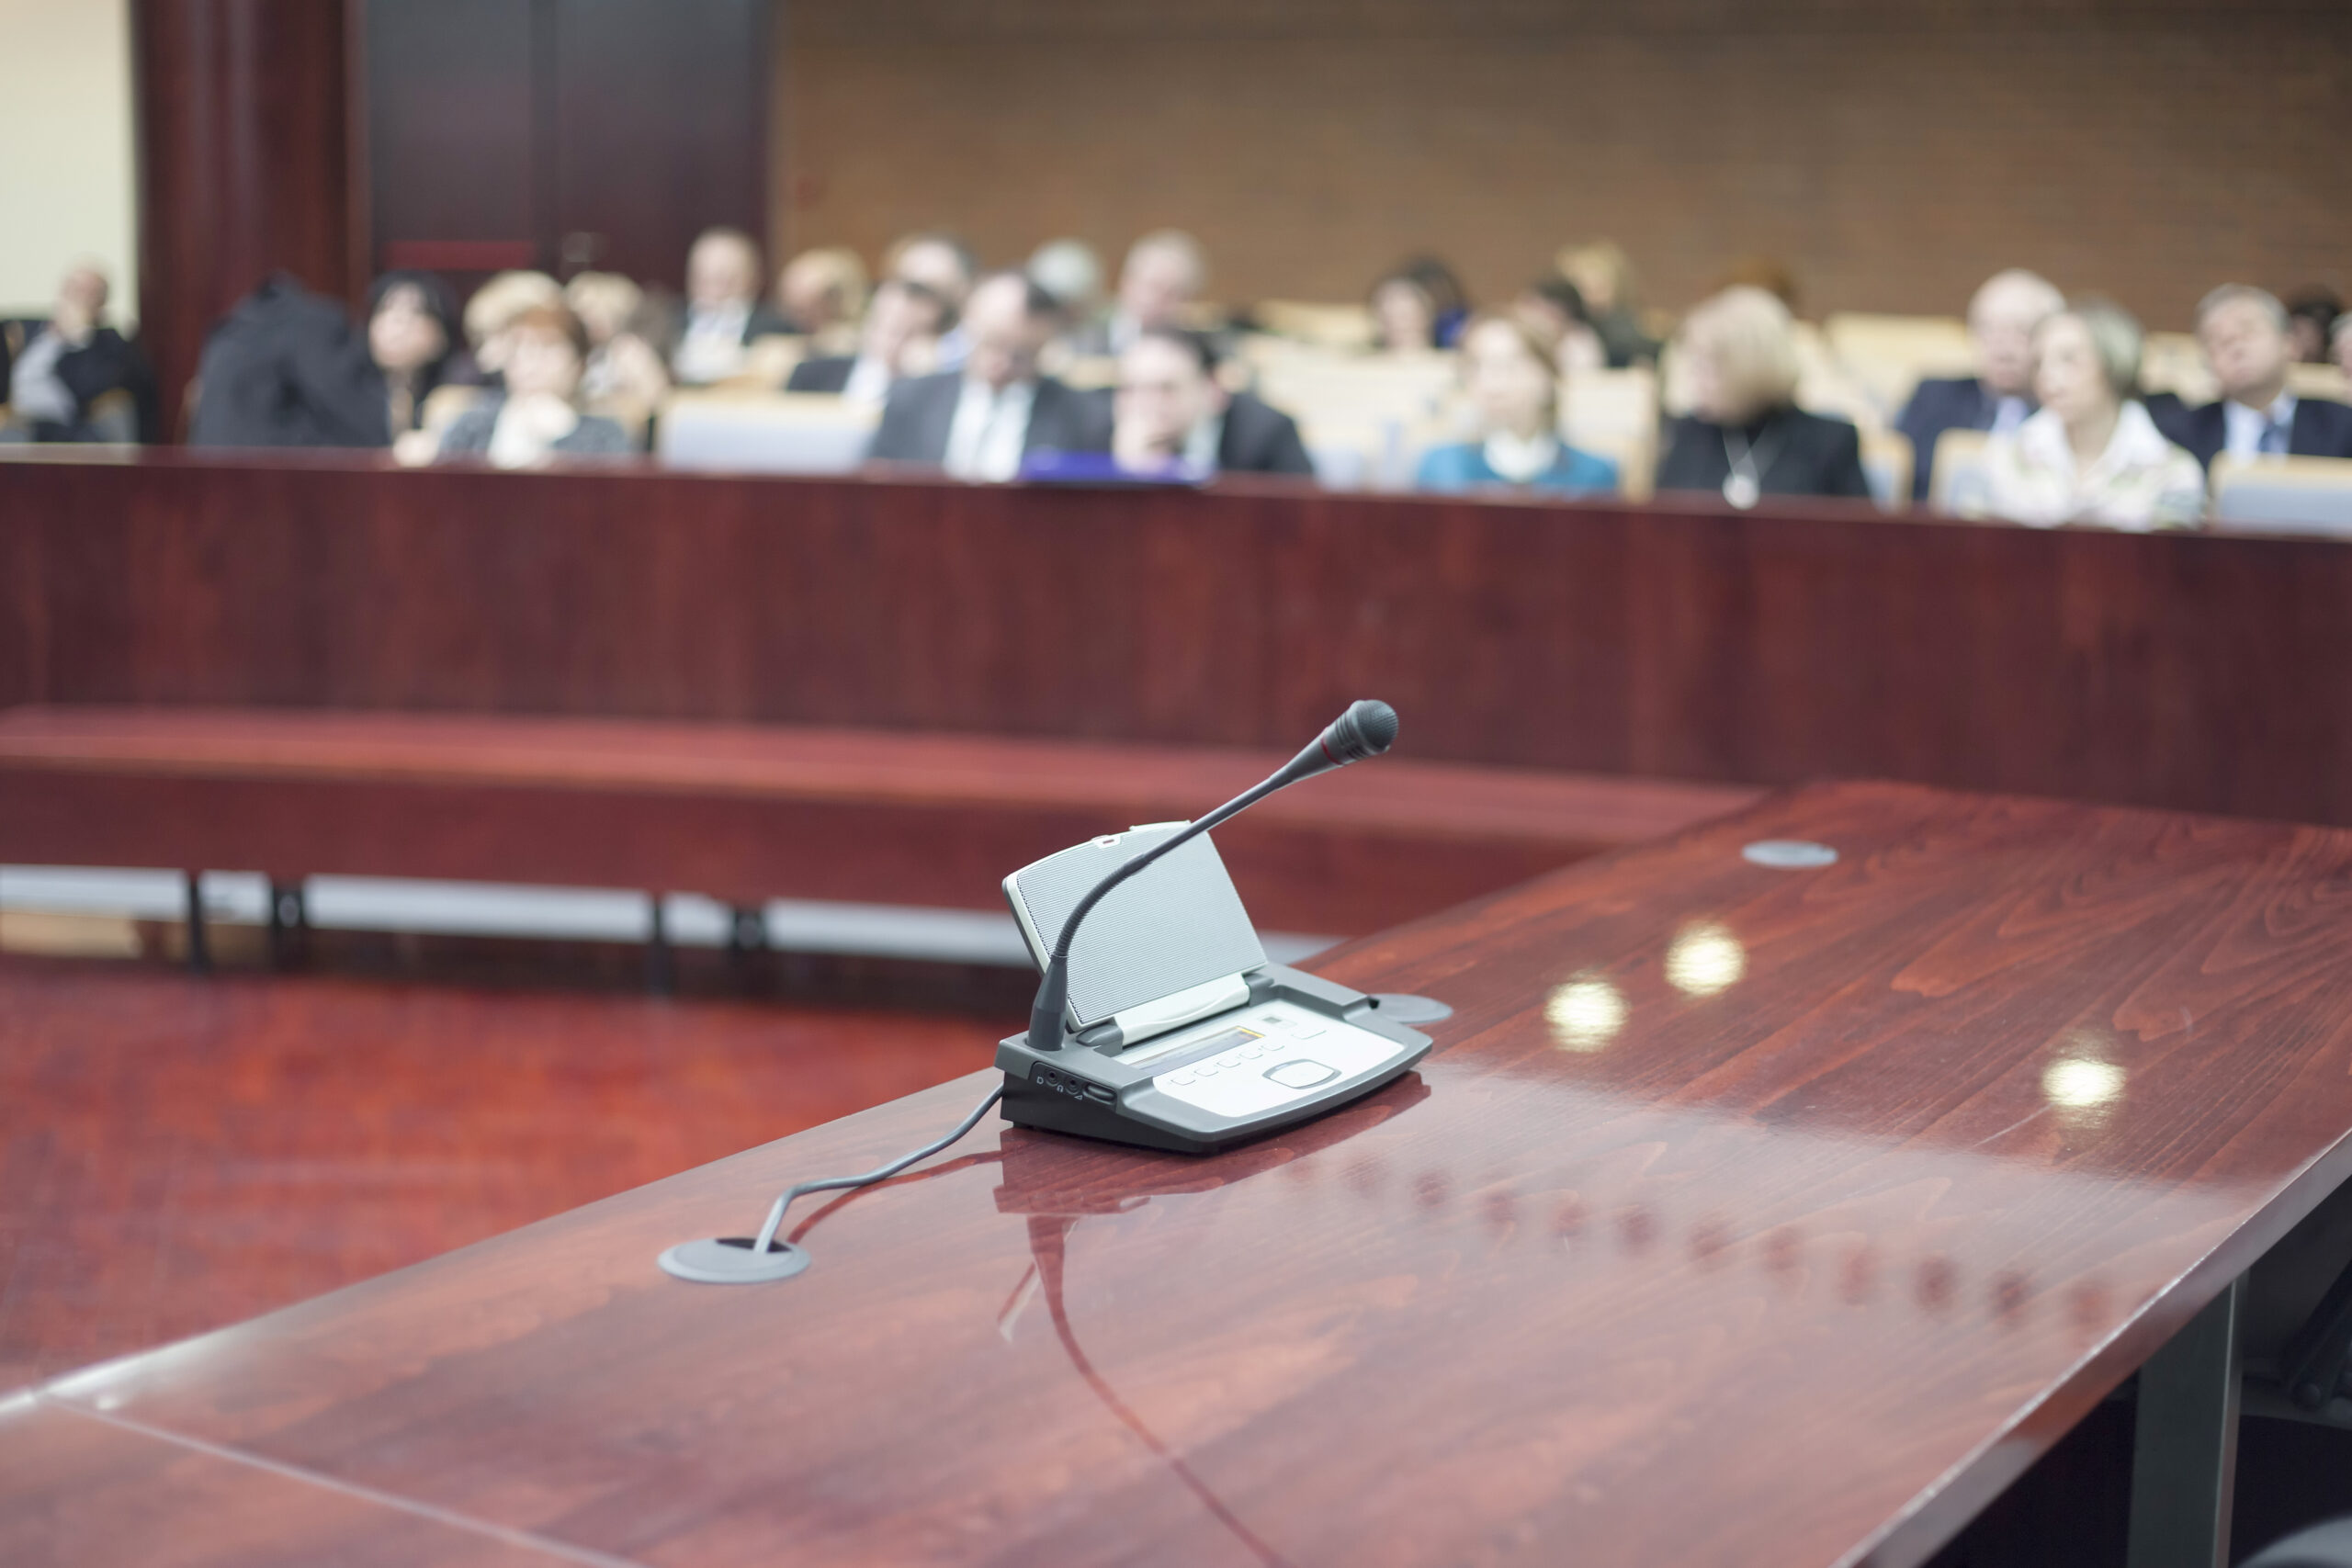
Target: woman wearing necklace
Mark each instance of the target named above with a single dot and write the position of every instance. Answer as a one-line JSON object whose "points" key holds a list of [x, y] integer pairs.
{"points": [[1745, 438], [1508, 377]]}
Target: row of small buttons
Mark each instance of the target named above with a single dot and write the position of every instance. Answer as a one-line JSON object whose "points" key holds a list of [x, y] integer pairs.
{"points": [[1211, 1069]]}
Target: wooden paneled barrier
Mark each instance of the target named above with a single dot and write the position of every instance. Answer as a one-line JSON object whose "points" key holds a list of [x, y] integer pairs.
{"points": [[747, 814], [1685, 642]]}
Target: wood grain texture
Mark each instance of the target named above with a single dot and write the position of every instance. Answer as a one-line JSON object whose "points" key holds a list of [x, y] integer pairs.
{"points": [[1741, 1217], [746, 814], [244, 145], [179, 1154], [2204, 673]]}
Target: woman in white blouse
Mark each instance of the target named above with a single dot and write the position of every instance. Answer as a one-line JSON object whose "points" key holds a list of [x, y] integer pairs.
{"points": [[2091, 453]]}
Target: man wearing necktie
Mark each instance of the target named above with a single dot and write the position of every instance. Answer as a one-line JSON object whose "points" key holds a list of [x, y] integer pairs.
{"points": [[2244, 333], [982, 422]]}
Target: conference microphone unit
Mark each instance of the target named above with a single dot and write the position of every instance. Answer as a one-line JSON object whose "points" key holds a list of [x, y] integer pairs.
{"points": [[1158, 1021]]}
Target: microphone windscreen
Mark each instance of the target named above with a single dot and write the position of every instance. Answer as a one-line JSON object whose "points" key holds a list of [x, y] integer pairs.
{"points": [[1366, 729]]}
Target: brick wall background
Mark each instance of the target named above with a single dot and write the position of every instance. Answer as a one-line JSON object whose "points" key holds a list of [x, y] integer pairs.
{"points": [[1892, 151]]}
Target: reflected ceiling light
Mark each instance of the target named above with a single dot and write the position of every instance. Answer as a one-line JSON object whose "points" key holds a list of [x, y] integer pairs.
{"points": [[1704, 959], [1585, 1014], [2076, 1081]]}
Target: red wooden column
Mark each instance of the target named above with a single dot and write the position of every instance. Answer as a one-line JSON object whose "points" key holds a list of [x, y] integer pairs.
{"points": [[244, 143]]}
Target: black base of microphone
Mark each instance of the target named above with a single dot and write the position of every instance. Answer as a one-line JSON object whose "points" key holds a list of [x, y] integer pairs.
{"points": [[729, 1261]]}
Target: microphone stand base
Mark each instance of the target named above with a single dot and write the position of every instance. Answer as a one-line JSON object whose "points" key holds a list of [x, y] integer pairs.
{"points": [[729, 1261]]}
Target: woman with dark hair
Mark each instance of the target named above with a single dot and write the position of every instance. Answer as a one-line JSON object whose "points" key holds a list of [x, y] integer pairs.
{"points": [[1448, 299], [412, 336]]}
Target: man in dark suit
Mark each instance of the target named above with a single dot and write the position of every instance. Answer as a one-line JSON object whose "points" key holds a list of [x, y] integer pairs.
{"points": [[2001, 322], [903, 323], [2249, 344], [1170, 410], [980, 422], [76, 378], [724, 315], [1160, 285]]}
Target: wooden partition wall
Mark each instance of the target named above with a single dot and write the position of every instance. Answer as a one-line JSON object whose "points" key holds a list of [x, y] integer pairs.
{"points": [[2202, 672]]}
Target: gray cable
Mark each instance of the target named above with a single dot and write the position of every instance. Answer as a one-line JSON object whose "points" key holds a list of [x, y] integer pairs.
{"points": [[879, 1173]]}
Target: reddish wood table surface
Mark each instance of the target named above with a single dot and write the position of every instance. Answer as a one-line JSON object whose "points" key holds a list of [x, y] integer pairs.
{"points": [[1742, 1216]]}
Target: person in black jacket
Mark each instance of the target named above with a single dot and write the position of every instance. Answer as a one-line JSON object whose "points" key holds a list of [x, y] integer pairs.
{"points": [[76, 378], [1745, 438], [2248, 339], [984, 420], [2002, 319], [1170, 410], [415, 339], [900, 337]]}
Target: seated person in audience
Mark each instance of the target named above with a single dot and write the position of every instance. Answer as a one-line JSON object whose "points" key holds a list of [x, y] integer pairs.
{"points": [[2090, 454], [2248, 345], [1160, 285], [494, 308], [1554, 310], [1170, 414], [76, 378], [625, 369], [412, 337], [537, 416], [2341, 338], [1404, 317], [823, 295], [1513, 387], [1448, 301], [1603, 275], [1072, 274], [1746, 437], [945, 265], [979, 422], [2313, 313], [2002, 319], [723, 309], [900, 338]]}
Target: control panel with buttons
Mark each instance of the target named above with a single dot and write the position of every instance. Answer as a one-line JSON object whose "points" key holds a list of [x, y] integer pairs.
{"points": [[1245, 1063]]}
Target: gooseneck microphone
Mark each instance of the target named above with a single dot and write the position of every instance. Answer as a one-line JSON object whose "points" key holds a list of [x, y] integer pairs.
{"points": [[1366, 729]]}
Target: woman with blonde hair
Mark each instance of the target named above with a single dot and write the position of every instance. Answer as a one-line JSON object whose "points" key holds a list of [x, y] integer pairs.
{"points": [[1745, 437], [1507, 372], [2091, 453]]}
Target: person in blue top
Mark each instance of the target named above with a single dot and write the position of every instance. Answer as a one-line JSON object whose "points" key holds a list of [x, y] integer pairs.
{"points": [[1516, 396]]}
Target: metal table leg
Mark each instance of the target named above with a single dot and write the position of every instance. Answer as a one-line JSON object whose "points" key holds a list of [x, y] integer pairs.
{"points": [[2185, 1443]]}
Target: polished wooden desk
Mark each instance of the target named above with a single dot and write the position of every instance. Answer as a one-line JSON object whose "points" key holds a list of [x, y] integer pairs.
{"points": [[1681, 640], [1743, 1216]]}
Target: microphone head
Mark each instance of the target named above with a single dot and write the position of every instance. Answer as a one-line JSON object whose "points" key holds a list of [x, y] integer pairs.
{"points": [[1366, 729]]}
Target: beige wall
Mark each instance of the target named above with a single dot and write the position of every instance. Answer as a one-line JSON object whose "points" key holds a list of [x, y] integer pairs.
{"points": [[1893, 152], [68, 178]]}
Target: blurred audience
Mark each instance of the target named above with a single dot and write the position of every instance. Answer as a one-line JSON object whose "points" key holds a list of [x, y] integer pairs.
{"points": [[1072, 274], [723, 310], [73, 378], [1510, 377], [494, 308], [2341, 337], [2002, 318], [624, 325], [979, 420], [1160, 285], [945, 265], [2314, 313], [1448, 301], [1172, 413], [1404, 317], [2248, 339], [412, 336], [822, 294], [900, 338], [2091, 453], [1604, 276], [1745, 438], [537, 416], [1554, 310]]}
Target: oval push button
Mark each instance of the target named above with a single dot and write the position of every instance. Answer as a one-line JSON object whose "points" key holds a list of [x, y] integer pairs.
{"points": [[1301, 1074]]}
